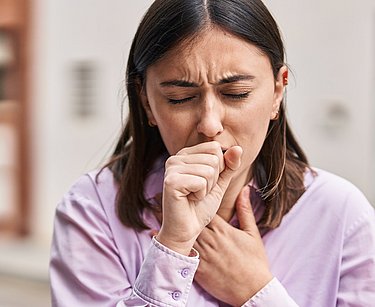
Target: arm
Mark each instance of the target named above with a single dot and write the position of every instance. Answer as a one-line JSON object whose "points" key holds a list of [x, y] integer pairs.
{"points": [[195, 181], [86, 269], [357, 278]]}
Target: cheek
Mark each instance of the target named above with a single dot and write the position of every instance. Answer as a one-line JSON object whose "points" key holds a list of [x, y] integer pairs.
{"points": [[255, 140], [174, 132], [253, 131]]}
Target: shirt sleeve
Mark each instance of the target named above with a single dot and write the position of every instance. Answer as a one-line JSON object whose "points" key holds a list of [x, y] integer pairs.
{"points": [[86, 269], [357, 277], [166, 277], [271, 294]]}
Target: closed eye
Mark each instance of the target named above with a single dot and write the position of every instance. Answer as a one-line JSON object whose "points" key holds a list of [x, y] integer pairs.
{"points": [[237, 96], [178, 101]]}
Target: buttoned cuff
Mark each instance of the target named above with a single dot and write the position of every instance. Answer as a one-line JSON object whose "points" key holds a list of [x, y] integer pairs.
{"points": [[165, 277], [272, 294]]}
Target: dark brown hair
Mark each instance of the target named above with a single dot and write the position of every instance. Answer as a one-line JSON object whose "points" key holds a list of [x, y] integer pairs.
{"points": [[279, 168]]}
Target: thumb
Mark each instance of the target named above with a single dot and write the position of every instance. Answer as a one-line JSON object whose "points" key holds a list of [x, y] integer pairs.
{"points": [[245, 213], [232, 158]]}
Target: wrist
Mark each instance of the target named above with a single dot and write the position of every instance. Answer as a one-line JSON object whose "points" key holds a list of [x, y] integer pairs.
{"points": [[181, 247], [259, 284]]}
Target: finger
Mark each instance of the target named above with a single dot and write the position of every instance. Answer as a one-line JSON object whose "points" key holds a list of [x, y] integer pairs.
{"points": [[199, 246], [196, 158], [206, 242], [185, 185], [217, 223], [213, 148], [208, 173], [245, 213], [232, 162], [232, 157], [214, 231], [205, 236]]}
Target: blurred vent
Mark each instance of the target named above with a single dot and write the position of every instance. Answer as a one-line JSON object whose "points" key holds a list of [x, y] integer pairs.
{"points": [[84, 86]]}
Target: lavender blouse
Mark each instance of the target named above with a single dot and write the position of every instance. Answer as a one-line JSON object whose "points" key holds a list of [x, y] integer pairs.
{"points": [[322, 254]]}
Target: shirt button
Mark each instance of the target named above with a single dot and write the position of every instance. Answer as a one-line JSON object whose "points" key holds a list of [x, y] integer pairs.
{"points": [[185, 273], [176, 295]]}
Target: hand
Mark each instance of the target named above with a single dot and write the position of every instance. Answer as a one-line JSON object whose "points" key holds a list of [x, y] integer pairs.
{"points": [[195, 181], [233, 263]]}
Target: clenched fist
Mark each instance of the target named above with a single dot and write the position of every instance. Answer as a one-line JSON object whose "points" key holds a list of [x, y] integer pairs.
{"points": [[195, 181]]}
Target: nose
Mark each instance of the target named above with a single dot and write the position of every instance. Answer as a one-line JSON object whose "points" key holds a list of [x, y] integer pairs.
{"points": [[210, 116]]}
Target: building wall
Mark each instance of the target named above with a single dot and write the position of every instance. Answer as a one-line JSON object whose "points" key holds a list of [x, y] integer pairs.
{"points": [[67, 141], [331, 51]]}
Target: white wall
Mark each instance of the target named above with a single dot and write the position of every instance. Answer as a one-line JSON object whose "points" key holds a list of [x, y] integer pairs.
{"points": [[64, 145], [331, 51]]}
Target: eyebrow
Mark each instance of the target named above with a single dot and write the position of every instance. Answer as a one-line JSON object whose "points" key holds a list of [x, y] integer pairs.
{"points": [[182, 83], [236, 78]]}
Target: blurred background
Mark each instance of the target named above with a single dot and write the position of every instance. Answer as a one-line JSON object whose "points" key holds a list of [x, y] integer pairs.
{"points": [[62, 67]]}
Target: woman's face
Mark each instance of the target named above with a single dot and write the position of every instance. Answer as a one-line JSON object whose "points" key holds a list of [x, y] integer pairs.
{"points": [[217, 88]]}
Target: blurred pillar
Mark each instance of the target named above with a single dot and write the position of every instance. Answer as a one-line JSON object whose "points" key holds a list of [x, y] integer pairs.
{"points": [[14, 108]]}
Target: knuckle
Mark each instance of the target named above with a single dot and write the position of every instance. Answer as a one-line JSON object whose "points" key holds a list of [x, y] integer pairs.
{"points": [[172, 160], [182, 151], [202, 183], [215, 160], [216, 145], [212, 172], [168, 162], [171, 179]]}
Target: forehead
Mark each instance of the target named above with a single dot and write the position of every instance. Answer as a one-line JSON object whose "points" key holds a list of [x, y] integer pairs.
{"points": [[213, 53]]}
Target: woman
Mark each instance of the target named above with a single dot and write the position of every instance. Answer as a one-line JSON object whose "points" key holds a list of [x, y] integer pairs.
{"points": [[208, 199]]}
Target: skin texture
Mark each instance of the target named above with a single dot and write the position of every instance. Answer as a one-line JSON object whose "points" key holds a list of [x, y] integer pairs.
{"points": [[237, 254], [212, 100]]}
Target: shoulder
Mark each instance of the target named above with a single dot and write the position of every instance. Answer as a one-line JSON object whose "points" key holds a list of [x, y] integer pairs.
{"points": [[327, 180], [329, 194], [324, 186], [89, 192], [91, 183]]}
